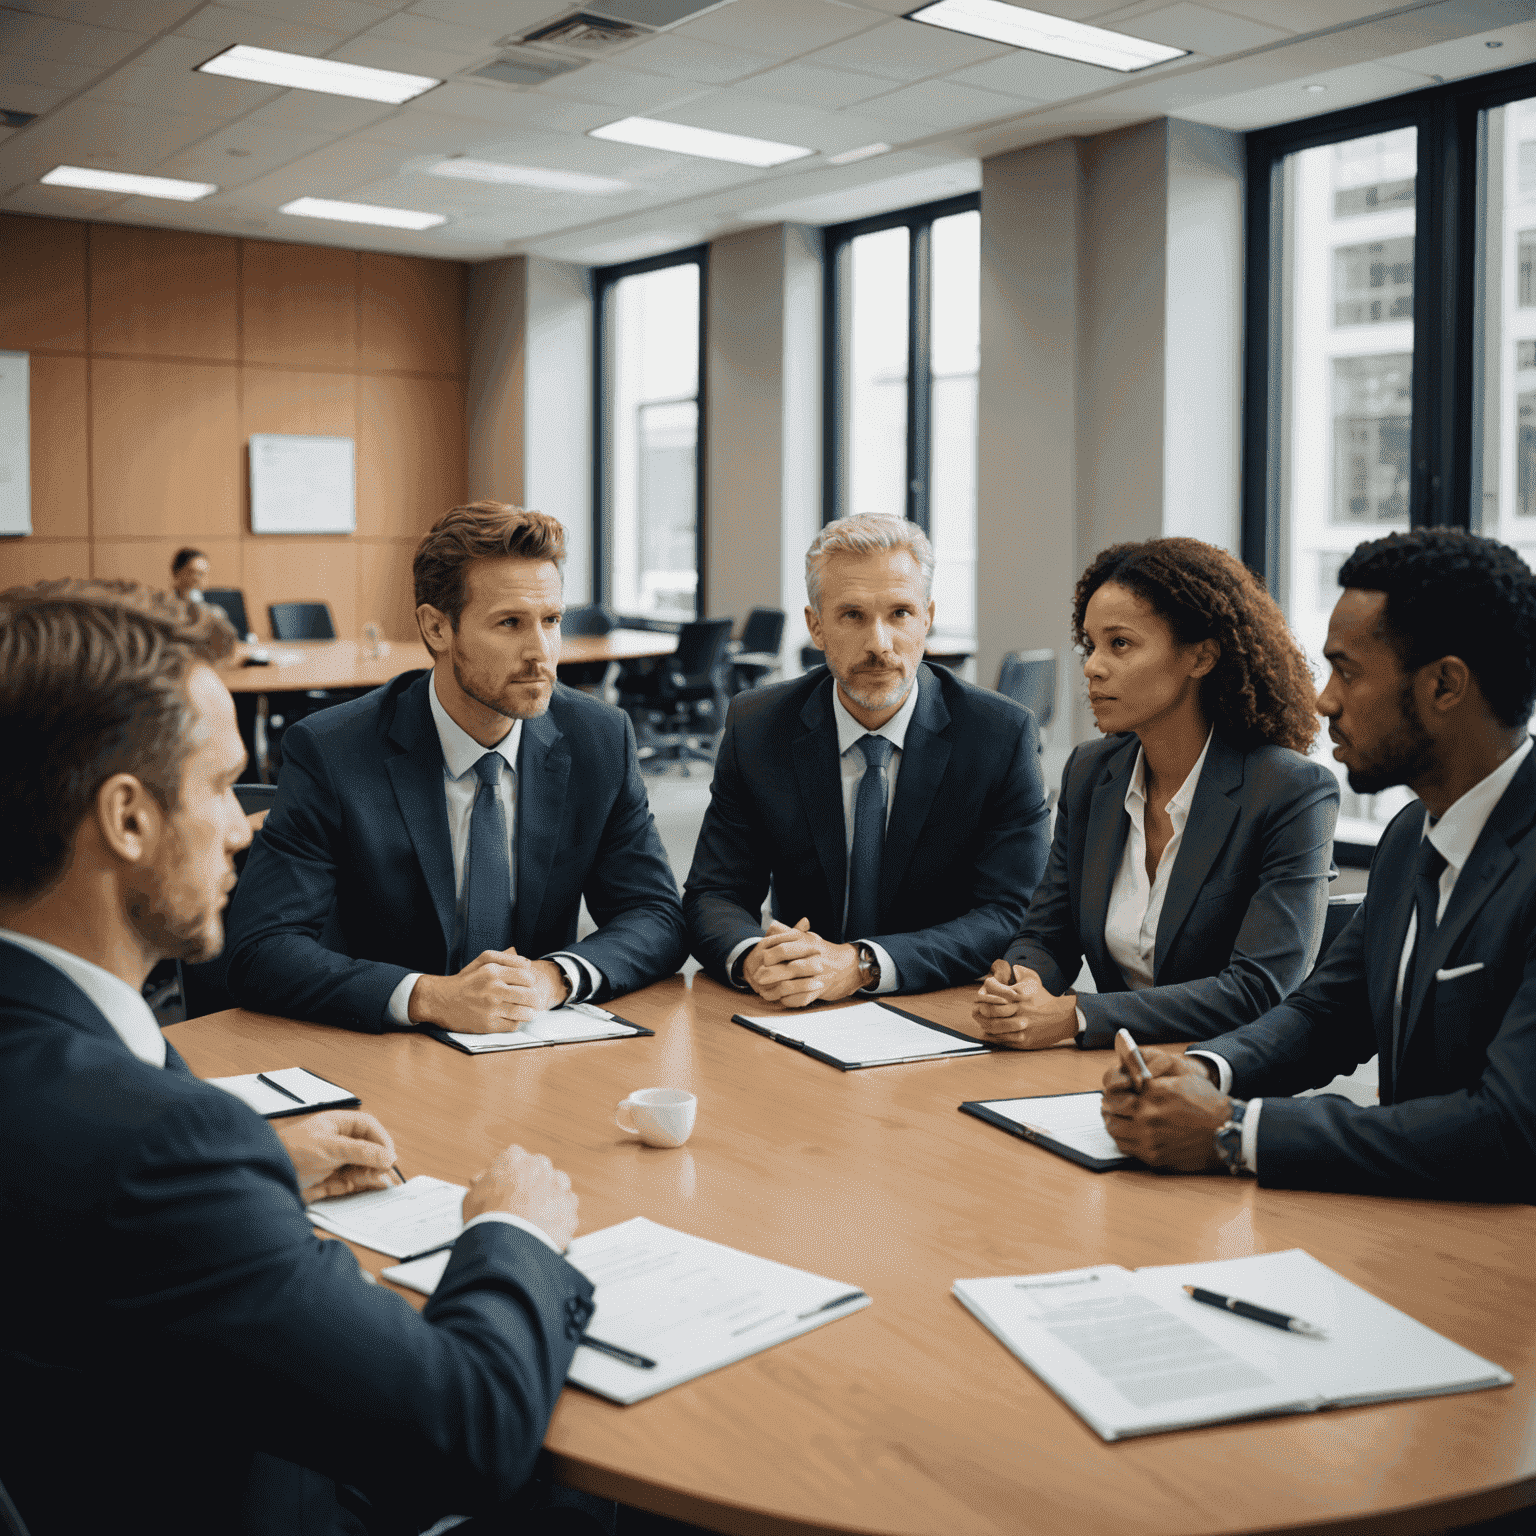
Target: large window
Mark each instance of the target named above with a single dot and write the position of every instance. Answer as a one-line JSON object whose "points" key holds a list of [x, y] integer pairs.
{"points": [[649, 533], [1391, 343], [903, 334]]}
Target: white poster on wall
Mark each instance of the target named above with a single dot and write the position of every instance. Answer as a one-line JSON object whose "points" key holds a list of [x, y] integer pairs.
{"points": [[303, 484], [15, 443]]}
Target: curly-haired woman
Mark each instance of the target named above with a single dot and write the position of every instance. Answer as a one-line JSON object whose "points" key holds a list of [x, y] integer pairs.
{"points": [[1192, 849]]}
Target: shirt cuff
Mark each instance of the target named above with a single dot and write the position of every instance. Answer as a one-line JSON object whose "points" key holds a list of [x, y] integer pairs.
{"points": [[1223, 1068], [399, 1009], [1082, 1020], [581, 976], [1251, 1135], [735, 959], [513, 1221], [889, 980]]}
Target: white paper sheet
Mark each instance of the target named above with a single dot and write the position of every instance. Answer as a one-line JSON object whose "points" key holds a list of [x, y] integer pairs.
{"points": [[405, 1219], [1073, 1119], [866, 1035], [315, 1092], [556, 1026]]}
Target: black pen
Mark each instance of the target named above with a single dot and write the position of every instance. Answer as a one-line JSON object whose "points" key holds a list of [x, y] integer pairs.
{"points": [[411, 1258], [1257, 1314], [827, 1306], [395, 1169], [625, 1356], [261, 1077]]}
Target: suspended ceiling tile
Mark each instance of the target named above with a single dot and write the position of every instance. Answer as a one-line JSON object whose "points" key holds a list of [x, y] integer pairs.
{"points": [[938, 104], [314, 112], [784, 28], [380, 53], [240, 153], [507, 105], [36, 99], [737, 111], [808, 85], [685, 58], [44, 37], [626, 90], [505, 17], [1472, 55], [1038, 76], [108, 133], [59, 202], [50, 73], [907, 50], [1304, 15], [441, 36], [143, 16], [218, 26], [1289, 102], [431, 133], [1200, 30], [928, 185], [343, 16], [165, 75]]}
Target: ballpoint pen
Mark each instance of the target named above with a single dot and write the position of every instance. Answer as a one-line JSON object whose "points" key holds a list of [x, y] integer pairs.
{"points": [[1258, 1314], [261, 1077], [1130, 1053], [828, 1306], [625, 1356]]}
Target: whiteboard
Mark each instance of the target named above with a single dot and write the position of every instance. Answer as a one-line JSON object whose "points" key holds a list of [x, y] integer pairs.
{"points": [[303, 484], [15, 444]]}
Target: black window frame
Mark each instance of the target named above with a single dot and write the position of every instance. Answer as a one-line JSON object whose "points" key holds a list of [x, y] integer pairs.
{"points": [[603, 281], [837, 321], [1447, 349]]}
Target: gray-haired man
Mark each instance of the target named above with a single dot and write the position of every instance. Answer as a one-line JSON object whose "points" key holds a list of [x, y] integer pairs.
{"points": [[896, 812]]}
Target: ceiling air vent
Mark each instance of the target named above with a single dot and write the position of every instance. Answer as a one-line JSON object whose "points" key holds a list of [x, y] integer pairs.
{"points": [[522, 66], [587, 33], [9, 119]]}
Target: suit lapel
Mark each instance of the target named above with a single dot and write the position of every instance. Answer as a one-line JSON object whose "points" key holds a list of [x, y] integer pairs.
{"points": [[821, 791], [543, 771], [1103, 848], [416, 774], [924, 757], [1211, 817]]}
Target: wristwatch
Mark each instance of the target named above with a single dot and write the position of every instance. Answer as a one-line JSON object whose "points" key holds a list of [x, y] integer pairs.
{"points": [[869, 963], [1229, 1138]]}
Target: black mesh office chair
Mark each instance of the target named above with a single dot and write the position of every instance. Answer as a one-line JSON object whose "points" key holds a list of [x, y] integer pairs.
{"points": [[592, 619], [232, 601], [756, 653], [301, 621], [1029, 678], [811, 658], [681, 702]]}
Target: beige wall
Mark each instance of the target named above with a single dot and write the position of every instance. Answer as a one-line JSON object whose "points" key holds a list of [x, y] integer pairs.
{"points": [[155, 354]]}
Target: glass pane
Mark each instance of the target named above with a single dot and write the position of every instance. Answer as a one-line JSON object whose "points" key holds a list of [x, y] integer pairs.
{"points": [[956, 351], [653, 415], [876, 448], [1346, 349]]}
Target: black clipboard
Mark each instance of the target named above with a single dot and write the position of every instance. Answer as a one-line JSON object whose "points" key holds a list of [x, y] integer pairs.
{"points": [[982, 1110], [635, 1030], [347, 1100], [978, 1047]]}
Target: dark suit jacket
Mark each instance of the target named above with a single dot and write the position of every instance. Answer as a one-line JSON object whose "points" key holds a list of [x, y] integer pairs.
{"points": [[356, 851], [1457, 1118], [964, 846], [1243, 916], [167, 1312]]}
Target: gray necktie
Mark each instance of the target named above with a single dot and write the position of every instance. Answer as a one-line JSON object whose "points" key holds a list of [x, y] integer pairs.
{"points": [[1426, 890], [488, 877], [868, 840]]}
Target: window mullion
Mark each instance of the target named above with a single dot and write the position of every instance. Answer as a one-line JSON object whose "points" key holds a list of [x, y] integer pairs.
{"points": [[919, 372]]}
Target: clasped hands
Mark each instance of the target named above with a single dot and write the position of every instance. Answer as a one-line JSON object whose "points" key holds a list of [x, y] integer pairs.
{"points": [[1013, 1009], [498, 991], [793, 967], [1170, 1118]]}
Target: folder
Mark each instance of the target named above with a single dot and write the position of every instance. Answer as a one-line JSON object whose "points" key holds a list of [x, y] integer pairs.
{"points": [[1068, 1124], [865, 1035], [285, 1091]]}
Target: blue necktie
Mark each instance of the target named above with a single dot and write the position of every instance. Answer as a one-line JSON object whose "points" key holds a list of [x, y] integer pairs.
{"points": [[488, 878], [868, 840]]}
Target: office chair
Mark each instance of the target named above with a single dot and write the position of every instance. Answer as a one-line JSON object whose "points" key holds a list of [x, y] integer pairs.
{"points": [[205, 988], [756, 653], [592, 619], [232, 601], [811, 658], [1337, 918], [671, 703], [301, 621], [1029, 678]]}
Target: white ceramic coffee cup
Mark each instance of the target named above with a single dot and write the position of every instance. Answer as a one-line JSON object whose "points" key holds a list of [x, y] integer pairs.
{"points": [[660, 1117]]}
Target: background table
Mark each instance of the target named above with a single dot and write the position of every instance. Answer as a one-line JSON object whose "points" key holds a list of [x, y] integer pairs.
{"points": [[909, 1418]]}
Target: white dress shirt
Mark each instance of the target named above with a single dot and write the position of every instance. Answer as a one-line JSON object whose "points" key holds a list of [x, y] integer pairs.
{"points": [[851, 769], [460, 786], [1454, 836], [1135, 902]]}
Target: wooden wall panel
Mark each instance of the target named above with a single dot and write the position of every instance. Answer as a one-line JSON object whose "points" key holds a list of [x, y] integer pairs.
{"points": [[164, 293], [42, 299], [61, 506], [385, 595], [165, 449], [302, 570], [26, 560], [149, 560], [411, 314], [299, 305], [411, 458]]}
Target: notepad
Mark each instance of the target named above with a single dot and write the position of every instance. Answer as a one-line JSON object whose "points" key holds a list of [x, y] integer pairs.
{"points": [[1068, 1124], [864, 1035], [1131, 1354], [406, 1219], [690, 1305], [294, 1084], [568, 1025]]}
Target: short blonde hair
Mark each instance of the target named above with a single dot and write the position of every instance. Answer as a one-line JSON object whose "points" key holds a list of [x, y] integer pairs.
{"points": [[866, 533]]}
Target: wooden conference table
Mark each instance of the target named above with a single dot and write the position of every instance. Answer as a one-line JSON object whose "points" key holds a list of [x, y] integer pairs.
{"points": [[908, 1418]]}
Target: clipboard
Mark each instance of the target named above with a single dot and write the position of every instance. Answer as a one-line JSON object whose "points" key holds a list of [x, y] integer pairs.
{"points": [[982, 1109], [972, 1046], [442, 1035]]}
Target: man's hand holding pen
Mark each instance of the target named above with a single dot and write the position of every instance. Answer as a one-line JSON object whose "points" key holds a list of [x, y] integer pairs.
{"points": [[1169, 1115], [338, 1152]]}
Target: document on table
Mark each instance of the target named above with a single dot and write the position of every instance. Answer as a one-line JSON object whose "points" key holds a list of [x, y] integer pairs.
{"points": [[865, 1035], [297, 1092], [690, 1305], [1066, 1123], [556, 1026], [1132, 1354], [406, 1219]]}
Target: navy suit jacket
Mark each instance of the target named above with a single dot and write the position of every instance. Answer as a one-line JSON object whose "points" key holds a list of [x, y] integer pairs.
{"points": [[964, 845], [167, 1312], [349, 885], [1243, 916], [1457, 1118]]}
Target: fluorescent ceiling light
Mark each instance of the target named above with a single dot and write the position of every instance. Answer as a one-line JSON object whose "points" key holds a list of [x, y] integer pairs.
{"points": [[651, 133], [526, 176], [304, 73], [121, 181], [867, 152], [1019, 28], [362, 213]]}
